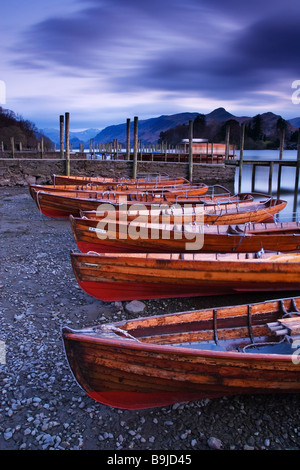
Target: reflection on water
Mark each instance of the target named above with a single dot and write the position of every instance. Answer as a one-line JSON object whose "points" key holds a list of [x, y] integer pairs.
{"points": [[262, 179]]}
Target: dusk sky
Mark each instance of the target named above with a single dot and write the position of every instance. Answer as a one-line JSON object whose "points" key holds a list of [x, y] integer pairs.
{"points": [[104, 61]]}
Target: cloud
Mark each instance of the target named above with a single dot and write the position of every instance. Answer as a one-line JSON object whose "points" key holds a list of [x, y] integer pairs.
{"points": [[164, 51], [259, 57], [115, 33]]}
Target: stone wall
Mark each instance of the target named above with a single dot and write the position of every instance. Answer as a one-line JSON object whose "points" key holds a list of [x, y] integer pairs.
{"points": [[19, 172]]}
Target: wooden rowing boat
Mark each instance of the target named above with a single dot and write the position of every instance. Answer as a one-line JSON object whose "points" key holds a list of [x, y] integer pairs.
{"points": [[219, 210], [133, 191], [165, 359], [239, 209], [215, 194], [118, 188], [62, 204], [156, 179], [129, 276], [132, 235]]}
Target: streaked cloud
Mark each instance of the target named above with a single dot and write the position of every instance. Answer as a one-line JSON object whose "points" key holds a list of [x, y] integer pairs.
{"points": [[103, 58]]}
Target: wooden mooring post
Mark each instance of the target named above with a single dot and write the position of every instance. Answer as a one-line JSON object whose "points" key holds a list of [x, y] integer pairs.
{"points": [[42, 147], [92, 148], [128, 139], [270, 177], [282, 136], [135, 146], [61, 134], [190, 151], [12, 143], [227, 142], [241, 155], [67, 141], [296, 190], [270, 165]]}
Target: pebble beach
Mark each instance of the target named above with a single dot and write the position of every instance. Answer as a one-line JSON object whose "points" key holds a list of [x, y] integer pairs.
{"points": [[41, 405]]}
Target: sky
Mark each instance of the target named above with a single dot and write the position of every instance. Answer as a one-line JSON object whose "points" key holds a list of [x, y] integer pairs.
{"points": [[104, 61]]}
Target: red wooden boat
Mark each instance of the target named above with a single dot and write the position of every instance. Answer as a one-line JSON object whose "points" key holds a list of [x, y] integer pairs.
{"points": [[157, 361], [64, 203], [135, 236], [149, 178], [219, 210], [117, 189], [129, 276], [240, 209]]}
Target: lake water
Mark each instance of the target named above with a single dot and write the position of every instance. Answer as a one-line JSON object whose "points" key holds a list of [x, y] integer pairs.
{"points": [[262, 179]]}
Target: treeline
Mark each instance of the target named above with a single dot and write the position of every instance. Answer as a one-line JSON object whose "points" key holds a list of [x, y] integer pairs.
{"points": [[260, 132], [23, 131]]}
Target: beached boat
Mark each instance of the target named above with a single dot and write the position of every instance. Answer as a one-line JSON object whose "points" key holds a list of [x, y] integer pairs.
{"points": [[116, 190], [132, 235], [239, 209], [62, 204], [129, 276], [165, 359], [149, 178], [218, 210]]}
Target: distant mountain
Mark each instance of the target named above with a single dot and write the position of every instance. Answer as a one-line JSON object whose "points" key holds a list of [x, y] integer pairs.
{"points": [[269, 122], [148, 129], [78, 137], [219, 115], [295, 121]]}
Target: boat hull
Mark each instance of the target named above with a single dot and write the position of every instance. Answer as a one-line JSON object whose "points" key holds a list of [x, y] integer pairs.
{"points": [[119, 277], [157, 238], [108, 291], [157, 180], [145, 370], [167, 191], [143, 400], [62, 206]]}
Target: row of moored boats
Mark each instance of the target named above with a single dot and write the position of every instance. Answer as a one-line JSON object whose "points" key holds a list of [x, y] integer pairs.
{"points": [[161, 237]]}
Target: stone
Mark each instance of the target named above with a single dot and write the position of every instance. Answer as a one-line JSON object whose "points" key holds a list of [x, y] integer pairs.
{"points": [[8, 435], [214, 443], [135, 307]]}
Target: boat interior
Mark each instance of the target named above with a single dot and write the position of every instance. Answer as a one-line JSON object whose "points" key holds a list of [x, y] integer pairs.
{"points": [[271, 327]]}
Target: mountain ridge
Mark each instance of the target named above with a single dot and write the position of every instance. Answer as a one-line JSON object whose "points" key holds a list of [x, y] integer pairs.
{"points": [[149, 129]]}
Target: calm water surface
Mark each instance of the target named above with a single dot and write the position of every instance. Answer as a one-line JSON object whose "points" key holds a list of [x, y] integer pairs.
{"points": [[262, 179]]}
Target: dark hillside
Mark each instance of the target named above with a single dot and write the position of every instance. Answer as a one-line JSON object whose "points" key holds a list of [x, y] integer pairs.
{"points": [[23, 131]]}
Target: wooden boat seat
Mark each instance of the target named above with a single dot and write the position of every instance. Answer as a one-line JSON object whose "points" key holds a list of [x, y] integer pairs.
{"points": [[287, 327]]}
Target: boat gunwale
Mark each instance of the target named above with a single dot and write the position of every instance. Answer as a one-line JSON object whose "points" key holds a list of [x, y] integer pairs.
{"points": [[273, 306], [90, 258], [208, 229], [128, 343], [269, 199]]}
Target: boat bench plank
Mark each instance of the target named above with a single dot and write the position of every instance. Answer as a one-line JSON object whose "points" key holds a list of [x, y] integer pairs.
{"points": [[286, 326]]}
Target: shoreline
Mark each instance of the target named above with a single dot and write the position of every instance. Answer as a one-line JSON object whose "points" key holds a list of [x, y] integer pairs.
{"points": [[43, 408]]}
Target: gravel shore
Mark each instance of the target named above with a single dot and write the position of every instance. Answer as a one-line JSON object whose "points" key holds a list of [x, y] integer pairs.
{"points": [[43, 408]]}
